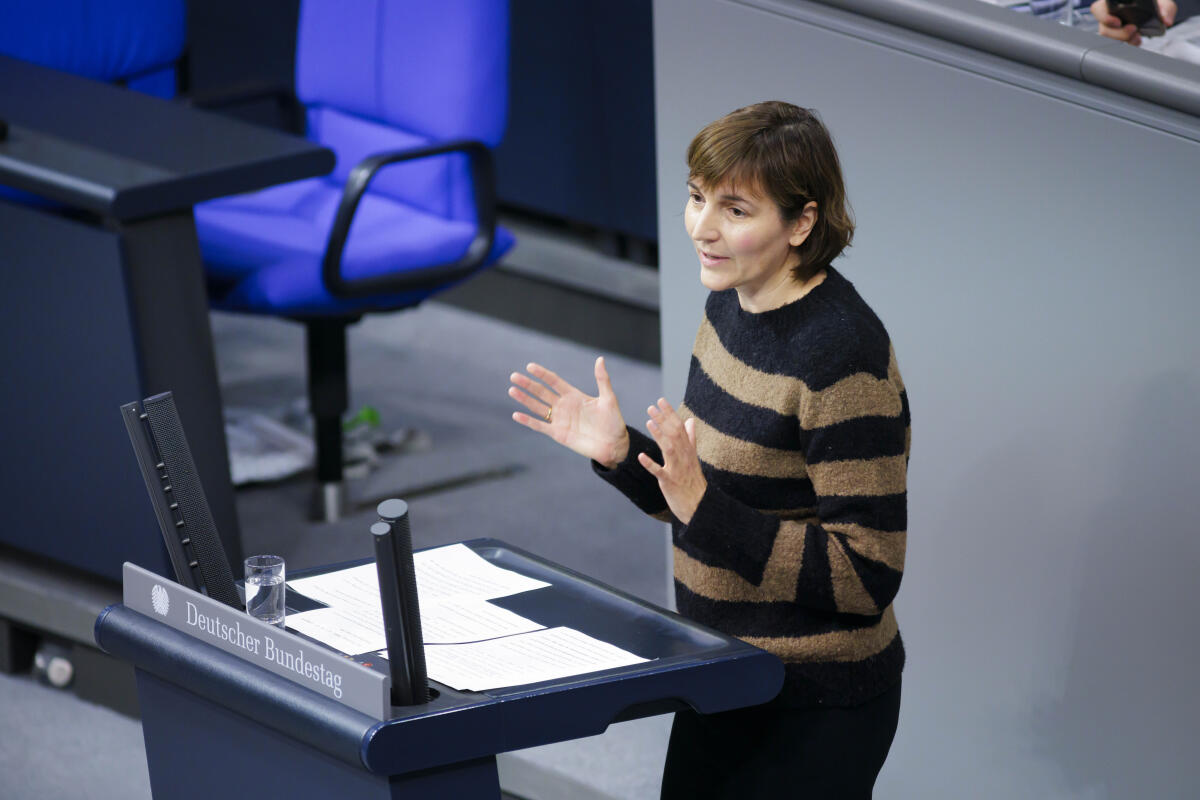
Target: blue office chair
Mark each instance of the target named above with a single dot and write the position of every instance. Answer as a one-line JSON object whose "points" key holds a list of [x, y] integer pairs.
{"points": [[136, 43], [410, 95]]}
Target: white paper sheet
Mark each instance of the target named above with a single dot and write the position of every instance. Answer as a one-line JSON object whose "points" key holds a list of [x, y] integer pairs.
{"points": [[549, 654], [355, 590], [454, 571], [462, 620], [457, 570], [492, 647], [340, 630], [355, 631]]}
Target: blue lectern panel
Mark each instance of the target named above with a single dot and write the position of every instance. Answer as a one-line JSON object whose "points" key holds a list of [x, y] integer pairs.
{"points": [[69, 363]]}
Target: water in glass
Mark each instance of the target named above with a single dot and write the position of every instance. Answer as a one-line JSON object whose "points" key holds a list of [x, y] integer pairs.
{"points": [[265, 597]]}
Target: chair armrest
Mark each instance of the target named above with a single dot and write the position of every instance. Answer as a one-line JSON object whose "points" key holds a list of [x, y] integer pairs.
{"points": [[483, 180]]}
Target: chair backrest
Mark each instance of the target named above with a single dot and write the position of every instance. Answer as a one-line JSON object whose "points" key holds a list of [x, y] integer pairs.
{"points": [[136, 42], [381, 75]]}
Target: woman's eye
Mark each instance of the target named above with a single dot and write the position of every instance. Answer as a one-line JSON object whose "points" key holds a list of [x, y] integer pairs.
{"points": [[695, 198], [737, 212]]}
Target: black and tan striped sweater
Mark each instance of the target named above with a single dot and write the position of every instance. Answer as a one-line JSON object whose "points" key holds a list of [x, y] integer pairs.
{"points": [[802, 428]]}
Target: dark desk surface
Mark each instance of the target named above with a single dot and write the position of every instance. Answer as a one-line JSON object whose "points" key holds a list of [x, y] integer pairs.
{"points": [[127, 155]]}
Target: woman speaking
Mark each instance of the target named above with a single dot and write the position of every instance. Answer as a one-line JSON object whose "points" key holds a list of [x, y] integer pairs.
{"points": [[782, 473]]}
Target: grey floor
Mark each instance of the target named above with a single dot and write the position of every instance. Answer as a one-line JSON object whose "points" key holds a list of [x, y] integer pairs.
{"points": [[444, 372]]}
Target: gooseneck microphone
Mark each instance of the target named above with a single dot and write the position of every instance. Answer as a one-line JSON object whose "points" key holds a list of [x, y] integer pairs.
{"points": [[398, 597]]}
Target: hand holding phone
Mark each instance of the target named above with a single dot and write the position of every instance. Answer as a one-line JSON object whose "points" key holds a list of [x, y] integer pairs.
{"points": [[1142, 13]]}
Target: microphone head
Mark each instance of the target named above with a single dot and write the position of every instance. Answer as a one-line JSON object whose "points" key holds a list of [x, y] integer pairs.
{"points": [[392, 510]]}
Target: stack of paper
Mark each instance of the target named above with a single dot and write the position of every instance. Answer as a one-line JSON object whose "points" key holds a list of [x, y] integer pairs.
{"points": [[470, 644]]}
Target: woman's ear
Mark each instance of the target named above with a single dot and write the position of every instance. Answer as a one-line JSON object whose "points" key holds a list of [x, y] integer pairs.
{"points": [[803, 225]]}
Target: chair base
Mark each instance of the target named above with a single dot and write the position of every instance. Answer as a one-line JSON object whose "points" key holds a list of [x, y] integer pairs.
{"points": [[329, 502]]}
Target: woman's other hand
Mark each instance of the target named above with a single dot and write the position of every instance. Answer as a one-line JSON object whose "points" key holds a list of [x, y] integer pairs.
{"points": [[1113, 28], [679, 476], [591, 426]]}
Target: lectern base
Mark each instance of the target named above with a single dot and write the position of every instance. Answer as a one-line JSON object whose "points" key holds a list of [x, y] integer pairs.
{"points": [[198, 749]]}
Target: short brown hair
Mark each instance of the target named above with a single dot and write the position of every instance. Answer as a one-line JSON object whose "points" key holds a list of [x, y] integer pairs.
{"points": [[786, 151]]}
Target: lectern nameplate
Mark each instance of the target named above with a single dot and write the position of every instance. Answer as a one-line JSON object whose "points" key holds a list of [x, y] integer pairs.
{"points": [[299, 660]]}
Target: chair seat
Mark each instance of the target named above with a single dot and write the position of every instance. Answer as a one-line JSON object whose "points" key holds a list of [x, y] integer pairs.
{"points": [[263, 250]]}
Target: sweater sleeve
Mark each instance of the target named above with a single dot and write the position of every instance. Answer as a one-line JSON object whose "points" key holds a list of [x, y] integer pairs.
{"points": [[849, 556], [632, 479]]}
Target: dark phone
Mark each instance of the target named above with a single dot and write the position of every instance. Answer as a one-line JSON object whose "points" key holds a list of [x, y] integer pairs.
{"points": [[1143, 13]]}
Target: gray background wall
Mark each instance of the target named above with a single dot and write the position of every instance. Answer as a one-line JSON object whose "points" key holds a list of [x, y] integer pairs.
{"points": [[1030, 242]]}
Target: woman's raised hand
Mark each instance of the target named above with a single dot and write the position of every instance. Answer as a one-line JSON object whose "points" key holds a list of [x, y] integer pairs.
{"points": [[591, 426], [679, 476]]}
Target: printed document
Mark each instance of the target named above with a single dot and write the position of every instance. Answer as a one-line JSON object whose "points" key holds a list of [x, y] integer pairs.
{"points": [[470, 644], [453, 585], [458, 570], [350, 633], [360, 630], [548, 654], [443, 572]]}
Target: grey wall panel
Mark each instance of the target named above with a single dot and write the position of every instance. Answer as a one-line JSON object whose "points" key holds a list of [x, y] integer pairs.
{"points": [[1033, 254]]}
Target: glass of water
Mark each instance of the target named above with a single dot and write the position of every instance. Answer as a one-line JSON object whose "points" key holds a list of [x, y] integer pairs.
{"points": [[265, 589]]}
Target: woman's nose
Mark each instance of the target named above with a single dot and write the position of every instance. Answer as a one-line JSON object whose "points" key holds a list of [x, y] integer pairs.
{"points": [[703, 229]]}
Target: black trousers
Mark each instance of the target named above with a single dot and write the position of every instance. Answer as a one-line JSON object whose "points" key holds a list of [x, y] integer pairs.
{"points": [[772, 752]]}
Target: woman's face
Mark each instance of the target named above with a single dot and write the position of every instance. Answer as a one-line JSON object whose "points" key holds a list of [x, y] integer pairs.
{"points": [[743, 243]]}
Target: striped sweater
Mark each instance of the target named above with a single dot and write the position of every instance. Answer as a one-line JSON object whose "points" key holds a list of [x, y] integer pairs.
{"points": [[797, 547]]}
